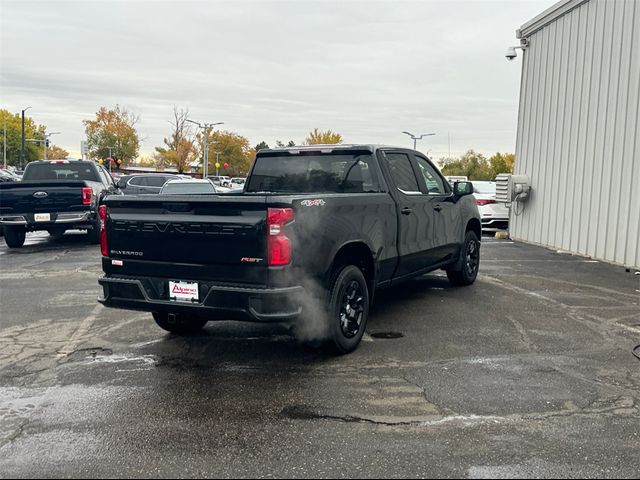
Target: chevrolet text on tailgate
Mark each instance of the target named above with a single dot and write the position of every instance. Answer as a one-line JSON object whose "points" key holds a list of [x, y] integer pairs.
{"points": [[317, 230]]}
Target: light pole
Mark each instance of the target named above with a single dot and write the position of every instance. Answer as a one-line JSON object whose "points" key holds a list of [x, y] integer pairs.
{"points": [[46, 139], [4, 144], [205, 144], [415, 138], [22, 144]]}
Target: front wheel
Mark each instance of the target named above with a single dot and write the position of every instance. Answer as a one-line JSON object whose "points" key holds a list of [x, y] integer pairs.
{"points": [[465, 270], [14, 236], [179, 324], [348, 309]]}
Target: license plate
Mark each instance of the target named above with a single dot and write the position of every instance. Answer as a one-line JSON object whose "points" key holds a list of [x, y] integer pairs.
{"points": [[43, 217], [183, 291]]}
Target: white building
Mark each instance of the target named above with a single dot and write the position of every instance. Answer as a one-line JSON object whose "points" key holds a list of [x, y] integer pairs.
{"points": [[579, 130]]}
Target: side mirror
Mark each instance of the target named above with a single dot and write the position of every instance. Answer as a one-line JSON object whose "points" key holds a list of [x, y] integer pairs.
{"points": [[462, 188], [121, 184]]}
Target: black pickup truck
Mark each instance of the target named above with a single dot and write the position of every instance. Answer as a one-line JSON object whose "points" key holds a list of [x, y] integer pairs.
{"points": [[55, 196], [315, 232]]}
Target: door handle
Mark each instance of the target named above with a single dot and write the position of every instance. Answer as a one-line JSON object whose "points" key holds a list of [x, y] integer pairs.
{"points": [[406, 211], [437, 208]]}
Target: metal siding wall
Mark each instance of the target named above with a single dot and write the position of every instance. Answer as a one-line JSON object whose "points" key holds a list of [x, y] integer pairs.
{"points": [[578, 130]]}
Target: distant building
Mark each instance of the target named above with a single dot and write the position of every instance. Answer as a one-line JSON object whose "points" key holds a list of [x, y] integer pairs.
{"points": [[579, 130]]}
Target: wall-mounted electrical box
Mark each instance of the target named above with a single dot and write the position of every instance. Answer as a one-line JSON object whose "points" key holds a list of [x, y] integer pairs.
{"points": [[512, 188]]}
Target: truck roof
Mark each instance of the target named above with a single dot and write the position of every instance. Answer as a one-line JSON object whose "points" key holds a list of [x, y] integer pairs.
{"points": [[330, 147]]}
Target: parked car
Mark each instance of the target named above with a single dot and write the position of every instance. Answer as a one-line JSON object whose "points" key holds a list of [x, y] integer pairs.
{"points": [[144, 183], [316, 232], [238, 181], [493, 215], [193, 186], [55, 196], [221, 180], [7, 176]]}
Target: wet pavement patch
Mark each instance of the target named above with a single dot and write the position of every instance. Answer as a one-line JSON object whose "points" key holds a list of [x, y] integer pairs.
{"points": [[387, 335], [93, 352]]}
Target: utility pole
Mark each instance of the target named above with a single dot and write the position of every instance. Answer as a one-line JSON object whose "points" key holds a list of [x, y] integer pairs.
{"points": [[217, 163], [5, 144], [415, 138], [22, 143], [449, 139], [205, 144]]}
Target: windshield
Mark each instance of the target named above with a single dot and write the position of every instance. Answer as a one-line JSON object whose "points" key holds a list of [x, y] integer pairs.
{"points": [[314, 172], [187, 188], [61, 171]]}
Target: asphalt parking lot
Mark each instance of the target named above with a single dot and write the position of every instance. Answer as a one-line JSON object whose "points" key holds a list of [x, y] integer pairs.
{"points": [[529, 372]]}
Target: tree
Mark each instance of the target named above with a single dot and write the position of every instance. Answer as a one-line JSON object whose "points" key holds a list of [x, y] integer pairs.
{"points": [[280, 144], [180, 148], [234, 149], [55, 152], [13, 122], [116, 129], [472, 165], [501, 163], [319, 137], [261, 146]]}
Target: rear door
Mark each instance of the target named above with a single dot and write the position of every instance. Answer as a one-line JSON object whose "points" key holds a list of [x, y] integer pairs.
{"points": [[414, 211]]}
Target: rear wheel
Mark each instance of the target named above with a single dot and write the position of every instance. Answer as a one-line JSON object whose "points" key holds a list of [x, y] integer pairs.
{"points": [[179, 324], [466, 270], [14, 236], [348, 309]]}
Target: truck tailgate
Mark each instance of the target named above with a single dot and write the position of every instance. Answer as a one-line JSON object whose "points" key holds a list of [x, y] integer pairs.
{"points": [[190, 237], [44, 196]]}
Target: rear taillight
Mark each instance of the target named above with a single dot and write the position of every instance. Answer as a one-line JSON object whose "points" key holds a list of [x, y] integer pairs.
{"points": [[87, 195], [484, 201], [102, 214], [278, 244]]}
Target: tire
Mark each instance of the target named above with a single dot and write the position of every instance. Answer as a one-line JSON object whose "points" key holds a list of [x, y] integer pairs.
{"points": [[14, 236], [466, 269], [181, 325], [347, 310], [93, 235]]}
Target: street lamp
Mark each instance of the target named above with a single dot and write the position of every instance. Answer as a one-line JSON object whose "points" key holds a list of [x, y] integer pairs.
{"points": [[22, 143], [205, 143], [415, 138]]}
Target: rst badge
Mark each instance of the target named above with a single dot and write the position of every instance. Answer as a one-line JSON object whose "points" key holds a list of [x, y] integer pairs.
{"points": [[313, 203]]}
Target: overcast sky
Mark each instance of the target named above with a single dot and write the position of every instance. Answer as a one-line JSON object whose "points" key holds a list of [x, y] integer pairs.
{"points": [[271, 69]]}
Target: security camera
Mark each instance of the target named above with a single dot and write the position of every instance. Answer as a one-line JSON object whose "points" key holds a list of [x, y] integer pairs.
{"points": [[511, 53]]}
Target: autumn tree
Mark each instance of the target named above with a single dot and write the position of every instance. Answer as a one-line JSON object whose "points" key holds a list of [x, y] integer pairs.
{"points": [[322, 137], [180, 149], [54, 152], [501, 163], [232, 148], [13, 124], [113, 131]]}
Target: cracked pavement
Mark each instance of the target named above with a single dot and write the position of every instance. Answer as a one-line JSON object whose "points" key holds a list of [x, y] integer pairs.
{"points": [[528, 373]]}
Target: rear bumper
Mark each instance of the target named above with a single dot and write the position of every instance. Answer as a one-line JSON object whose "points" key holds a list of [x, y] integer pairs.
{"points": [[494, 224], [57, 219], [218, 302]]}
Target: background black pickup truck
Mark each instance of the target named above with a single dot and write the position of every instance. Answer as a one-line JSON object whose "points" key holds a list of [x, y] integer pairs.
{"points": [[56, 196], [316, 231]]}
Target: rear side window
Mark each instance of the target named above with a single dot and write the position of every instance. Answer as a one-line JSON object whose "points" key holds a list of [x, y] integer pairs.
{"points": [[402, 173], [314, 172], [61, 171], [188, 188]]}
